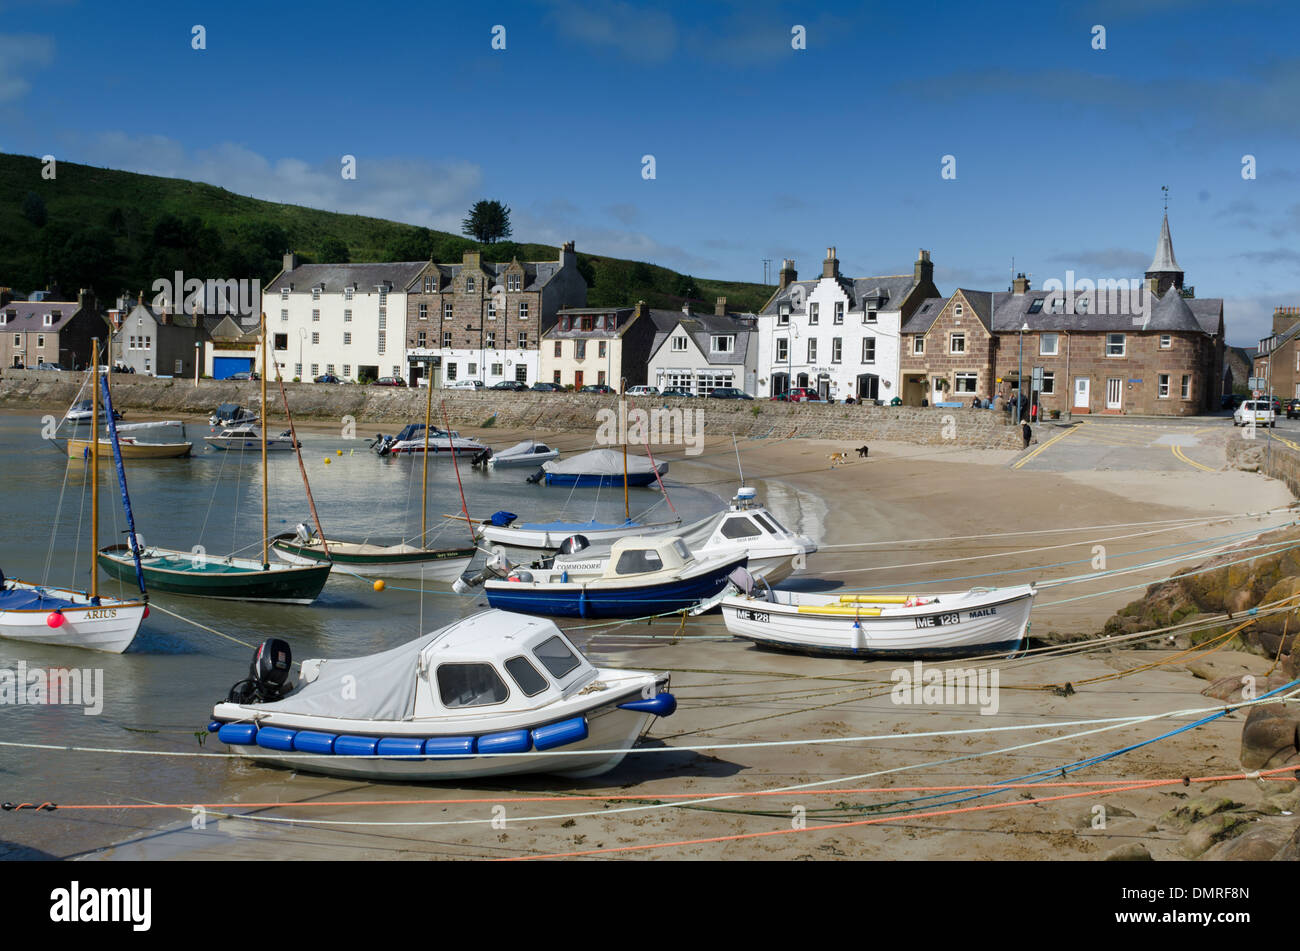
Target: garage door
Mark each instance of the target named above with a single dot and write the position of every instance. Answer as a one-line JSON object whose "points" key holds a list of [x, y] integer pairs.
{"points": [[223, 368]]}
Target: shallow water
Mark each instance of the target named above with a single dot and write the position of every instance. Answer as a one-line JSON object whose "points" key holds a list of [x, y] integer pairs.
{"points": [[159, 693]]}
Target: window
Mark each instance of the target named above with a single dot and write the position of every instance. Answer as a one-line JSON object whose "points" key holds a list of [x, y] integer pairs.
{"points": [[420, 340], [496, 369], [958, 310], [526, 676], [423, 312], [347, 316], [839, 312], [783, 349], [347, 370], [1166, 341], [724, 344], [469, 284], [638, 560], [870, 316], [739, 527], [383, 342], [148, 343], [428, 285], [812, 350], [512, 282], [1186, 392], [918, 345], [1049, 384], [40, 341], [446, 339], [1049, 345], [297, 370], [348, 292], [347, 338], [1081, 305], [472, 368], [178, 368], [451, 370], [284, 314], [837, 349], [783, 316], [601, 349], [600, 377], [491, 340], [521, 373], [470, 685], [1163, 386], [284, 293], [315, 370], [555, 377], [315, 336], [522, 341], [1036, 306], [329, 368], [448, 311], [315, 315], [579, 349], [957, 343], [556, 657], [679, 344], [558, 345], [869, 350], [492, 308], [586, 322], [1114, 345], [523, 310], [281, 342], [814, 313], [965, 383]]}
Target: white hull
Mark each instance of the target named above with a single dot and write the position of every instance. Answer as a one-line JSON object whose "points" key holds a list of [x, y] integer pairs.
{"points": [[446, 569], [950, 624], [437, 447], [522, 461], [274, 444], [550, 539], [110, 627]]}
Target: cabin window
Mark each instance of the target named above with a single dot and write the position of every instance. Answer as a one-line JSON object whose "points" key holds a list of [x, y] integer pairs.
{"points": [[638, 560], [679, 546], [739, 527], [556, 657], [470, 685], [768, 523], [525, 674]]}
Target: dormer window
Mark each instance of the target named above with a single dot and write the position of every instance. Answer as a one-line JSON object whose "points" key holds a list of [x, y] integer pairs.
{"points": [[349, 291], [1081, 305], [724, 344], [315, 292], [428, 285], [1057, 306], [514, 282], [284, 293], [870, 316], [49, 320]]}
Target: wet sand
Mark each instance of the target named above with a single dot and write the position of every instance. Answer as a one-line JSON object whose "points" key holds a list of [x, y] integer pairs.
{"points": [[732, 693]]}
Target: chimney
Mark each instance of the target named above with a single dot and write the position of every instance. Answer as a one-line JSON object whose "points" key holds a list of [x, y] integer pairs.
{"points": [[788, 274], [686, 308], [471, 259], [831, 266], [1020, 285], [923, 272], [290, 261], [568, 257], [641, 309], [163, 319], [86, 299], [720, 307]]}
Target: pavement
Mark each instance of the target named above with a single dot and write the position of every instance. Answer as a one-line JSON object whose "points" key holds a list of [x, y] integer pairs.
{"points": [[1148, 444]]}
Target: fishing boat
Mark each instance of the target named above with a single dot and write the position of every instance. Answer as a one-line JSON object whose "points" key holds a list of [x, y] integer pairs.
{"points": [[874, 626], [229, 577], [133, 448], [394, 560], [44, 614], [638, 577], [227, 415], [530, 452], [419, 437], [494, 694], [599, 468], [249, 437]]}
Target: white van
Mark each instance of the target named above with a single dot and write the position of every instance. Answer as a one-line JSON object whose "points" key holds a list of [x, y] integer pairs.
{"points": [[1260, 412], [463, 385]]}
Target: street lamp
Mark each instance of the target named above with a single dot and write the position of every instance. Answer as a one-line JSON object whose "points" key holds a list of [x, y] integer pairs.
{"points": [[1020, 374], [302, 337]]}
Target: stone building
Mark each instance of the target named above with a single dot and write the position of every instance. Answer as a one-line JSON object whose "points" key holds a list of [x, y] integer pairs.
{"points": [[602, 345], [50, 331], [157, 343]]}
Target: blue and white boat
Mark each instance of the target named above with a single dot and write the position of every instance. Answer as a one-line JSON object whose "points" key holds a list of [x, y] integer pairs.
{"points": [[494, 694], [599, 468], [503, 529], [638, 577]]}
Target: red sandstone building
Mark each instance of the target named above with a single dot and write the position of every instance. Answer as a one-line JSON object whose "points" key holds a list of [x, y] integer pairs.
{"points": [[1154, 351], [1278, 358]]}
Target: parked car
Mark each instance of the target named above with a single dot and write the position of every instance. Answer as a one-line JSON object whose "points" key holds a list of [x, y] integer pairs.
{"points": [[643, 391], [548, 388], [245, 375], [597, 388], [327, 378], [389, 381], [1292, 409], [729, 393], [1258, 411], [509, 385], [675, 391], [463, 385], [798, 394]]}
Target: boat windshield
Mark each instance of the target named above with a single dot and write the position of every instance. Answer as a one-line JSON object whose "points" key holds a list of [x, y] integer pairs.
{"points": [[768, 521], [739, 527], [556, 657], [471, 685], [639, 560]]}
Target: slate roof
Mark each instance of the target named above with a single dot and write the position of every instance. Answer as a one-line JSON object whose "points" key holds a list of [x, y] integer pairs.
{"points": [[30, 315], [335, 277], [892, 287], [702, 328]]}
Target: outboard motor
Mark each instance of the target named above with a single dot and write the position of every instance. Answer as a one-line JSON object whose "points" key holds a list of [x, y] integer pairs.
{"points": [[480, 458], [268, 674], [574, 544], [303, 533], [498, 566], [537, 477]]}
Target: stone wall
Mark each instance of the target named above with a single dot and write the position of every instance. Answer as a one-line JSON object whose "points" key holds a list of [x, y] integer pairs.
{"points": [[1264, 455], [374, 407]]}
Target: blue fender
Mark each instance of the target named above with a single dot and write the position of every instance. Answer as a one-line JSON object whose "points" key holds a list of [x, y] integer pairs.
{"points": [[661, 705]]}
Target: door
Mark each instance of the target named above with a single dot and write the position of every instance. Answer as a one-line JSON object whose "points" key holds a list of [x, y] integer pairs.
{"points": [[223, 368], [577, 380], [868, 386], [1082, 386], [1114, 394]]}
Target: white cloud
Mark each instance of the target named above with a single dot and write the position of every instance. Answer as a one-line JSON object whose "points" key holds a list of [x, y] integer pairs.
{"points": [[416, 191], [633, 32], [18, 53]]}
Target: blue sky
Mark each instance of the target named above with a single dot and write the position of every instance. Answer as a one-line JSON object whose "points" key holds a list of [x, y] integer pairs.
{"points": [[761, 150]]}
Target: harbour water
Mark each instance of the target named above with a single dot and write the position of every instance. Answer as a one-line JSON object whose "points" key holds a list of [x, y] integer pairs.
{"points": [[157, 695]]}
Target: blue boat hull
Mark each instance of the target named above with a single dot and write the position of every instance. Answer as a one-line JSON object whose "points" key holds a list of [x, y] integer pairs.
{"points": [[633, 600], [589, 481]]}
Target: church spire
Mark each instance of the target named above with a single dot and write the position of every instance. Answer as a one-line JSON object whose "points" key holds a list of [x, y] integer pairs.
{"points": [[1164, 267]]}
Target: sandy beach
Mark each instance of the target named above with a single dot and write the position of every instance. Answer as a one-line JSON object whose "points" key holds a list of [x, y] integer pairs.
{"points": [[708, 788]]}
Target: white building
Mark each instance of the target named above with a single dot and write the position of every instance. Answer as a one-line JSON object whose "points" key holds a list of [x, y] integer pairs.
{"points": [[838, 335], [345, 319], [702, 352]]}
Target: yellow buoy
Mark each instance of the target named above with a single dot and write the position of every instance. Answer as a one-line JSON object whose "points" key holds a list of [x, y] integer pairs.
{"points": [[379, 584], [340, 452], [328, 460]]}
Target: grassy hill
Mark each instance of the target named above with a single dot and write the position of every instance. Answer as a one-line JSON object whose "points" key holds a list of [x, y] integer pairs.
{"points": [[119, 231]]}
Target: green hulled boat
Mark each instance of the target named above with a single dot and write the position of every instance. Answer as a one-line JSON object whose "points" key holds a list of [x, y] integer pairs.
{"points": [[205, 576]]}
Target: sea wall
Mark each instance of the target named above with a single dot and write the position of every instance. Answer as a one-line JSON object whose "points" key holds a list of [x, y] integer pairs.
{"points": [[374, 407]]}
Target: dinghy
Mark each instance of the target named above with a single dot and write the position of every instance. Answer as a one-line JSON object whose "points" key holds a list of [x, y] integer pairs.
{"points": [[599, 468], [494, 694], [42, 614], [530, 452], [637, 578], [132, 448], [877, 626]]}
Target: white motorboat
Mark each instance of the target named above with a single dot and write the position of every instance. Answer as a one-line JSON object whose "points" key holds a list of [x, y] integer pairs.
{"points": [[231, 414], [494, 694], [82, 412], [248, 437], [871, 625], [502, 529], [440, 442], [530, 452]]}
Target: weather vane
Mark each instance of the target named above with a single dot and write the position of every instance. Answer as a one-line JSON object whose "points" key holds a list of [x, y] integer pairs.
{"points": [[1165, 189]]}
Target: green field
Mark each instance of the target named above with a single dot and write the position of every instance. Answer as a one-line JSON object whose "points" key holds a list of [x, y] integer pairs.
{"points": [[117, 232]]}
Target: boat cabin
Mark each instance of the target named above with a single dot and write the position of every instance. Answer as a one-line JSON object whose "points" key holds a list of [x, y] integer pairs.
{"points": [[638, 556]]}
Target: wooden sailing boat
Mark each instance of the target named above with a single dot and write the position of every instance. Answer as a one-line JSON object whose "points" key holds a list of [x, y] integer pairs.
{"points": [[230, 577], [401, 560], [40, 614]]}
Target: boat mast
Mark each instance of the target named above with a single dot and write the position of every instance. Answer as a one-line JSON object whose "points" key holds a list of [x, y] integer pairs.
{"points": [[424, 483], [266, 562], [627, 512], [94, 470]]}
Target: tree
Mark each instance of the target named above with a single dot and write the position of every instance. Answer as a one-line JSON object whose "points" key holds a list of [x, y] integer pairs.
{"points": [[34, 209], [334, 251], [488, 221]]}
